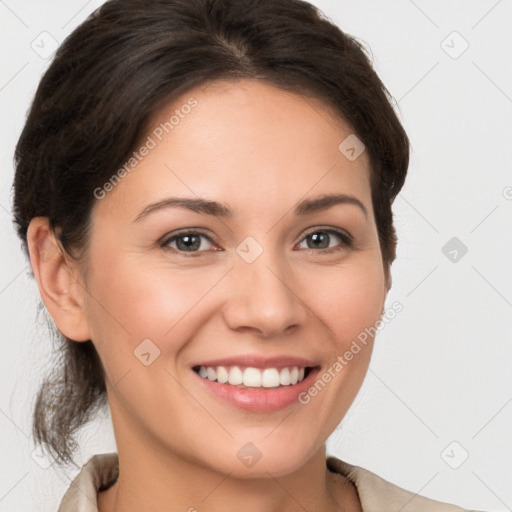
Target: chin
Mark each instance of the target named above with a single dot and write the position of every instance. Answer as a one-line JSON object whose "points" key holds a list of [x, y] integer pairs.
{"points": [[262, 459]]}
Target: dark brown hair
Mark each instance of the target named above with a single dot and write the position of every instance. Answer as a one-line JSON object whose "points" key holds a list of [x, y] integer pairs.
{"points": [[114, 73]]}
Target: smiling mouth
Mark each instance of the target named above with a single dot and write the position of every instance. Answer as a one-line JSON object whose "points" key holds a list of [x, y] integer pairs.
{"points": [[250, 377]]}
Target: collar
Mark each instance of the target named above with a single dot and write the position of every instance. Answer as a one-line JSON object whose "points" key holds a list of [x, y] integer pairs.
{"points": [[375, 493]]}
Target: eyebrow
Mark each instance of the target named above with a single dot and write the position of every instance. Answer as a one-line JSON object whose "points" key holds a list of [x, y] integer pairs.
{"points": [[217, 209]]}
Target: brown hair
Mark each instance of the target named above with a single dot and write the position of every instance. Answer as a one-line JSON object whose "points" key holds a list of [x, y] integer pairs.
{"points": [[109, 78]]}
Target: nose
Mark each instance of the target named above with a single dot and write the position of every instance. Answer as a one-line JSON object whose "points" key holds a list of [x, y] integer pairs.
{"points": [[264, 298]]}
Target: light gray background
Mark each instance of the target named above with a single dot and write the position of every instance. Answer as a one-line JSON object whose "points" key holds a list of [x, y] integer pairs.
{"points": [[441, 370]]}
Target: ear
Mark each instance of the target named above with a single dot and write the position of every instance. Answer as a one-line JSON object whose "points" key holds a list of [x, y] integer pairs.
{"points": [[389, 279], [387, 285], [58, 280], [387, 265]]}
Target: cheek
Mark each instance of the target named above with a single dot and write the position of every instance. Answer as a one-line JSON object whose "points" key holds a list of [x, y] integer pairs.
{"points": [[349, 303], [136, 303], [148, 304], [349, 299], [133, 301]]}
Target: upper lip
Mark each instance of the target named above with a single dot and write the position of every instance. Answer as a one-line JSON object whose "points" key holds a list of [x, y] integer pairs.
{"points": [[256, 361]]}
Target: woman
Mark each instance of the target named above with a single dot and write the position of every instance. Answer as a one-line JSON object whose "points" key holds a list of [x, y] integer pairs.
{"points": [[204, 191]]}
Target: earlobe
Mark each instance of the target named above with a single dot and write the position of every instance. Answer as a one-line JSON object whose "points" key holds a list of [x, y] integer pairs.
{"points": [[58, 280], [387, 286], [387, 277], [389, 281]]}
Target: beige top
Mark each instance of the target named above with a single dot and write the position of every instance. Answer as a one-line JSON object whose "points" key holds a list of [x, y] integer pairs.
{"points": [[375, 493]]}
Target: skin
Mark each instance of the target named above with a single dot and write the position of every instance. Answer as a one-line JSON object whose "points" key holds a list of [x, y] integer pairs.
{"points": [[260, 150]]}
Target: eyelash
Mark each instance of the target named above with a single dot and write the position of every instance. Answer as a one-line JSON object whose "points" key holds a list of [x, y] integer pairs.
{"points": [[346, 241]]}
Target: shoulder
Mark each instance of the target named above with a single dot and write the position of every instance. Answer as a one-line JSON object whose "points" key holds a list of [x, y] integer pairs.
{"points": [[97, 474], [374, 492], [102, 470]]}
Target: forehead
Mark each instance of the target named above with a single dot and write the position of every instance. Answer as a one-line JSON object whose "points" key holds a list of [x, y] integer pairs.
{"points": [[247, 141], [257, 107]]}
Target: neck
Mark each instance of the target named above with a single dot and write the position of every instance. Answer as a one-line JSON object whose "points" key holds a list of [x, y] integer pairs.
{"points": [[172, 483]]}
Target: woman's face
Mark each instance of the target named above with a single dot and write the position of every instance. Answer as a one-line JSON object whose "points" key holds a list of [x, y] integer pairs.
{"points": [[176, 288]]}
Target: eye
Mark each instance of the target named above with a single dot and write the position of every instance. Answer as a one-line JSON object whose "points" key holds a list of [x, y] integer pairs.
{"points": [[321, 239], [187, 242], [190, 243]]}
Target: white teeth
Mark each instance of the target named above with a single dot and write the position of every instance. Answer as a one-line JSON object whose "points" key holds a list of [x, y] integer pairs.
{"points": [[235, 376], [284, 377], [270, 378], [253, 377], [222, 374]]}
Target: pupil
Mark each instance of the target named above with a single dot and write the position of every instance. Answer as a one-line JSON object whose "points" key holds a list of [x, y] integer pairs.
{"points": [[190, 243], [320, 237]]}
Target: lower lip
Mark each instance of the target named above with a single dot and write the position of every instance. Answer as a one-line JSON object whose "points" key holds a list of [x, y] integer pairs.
{"points": [[259, 399]]}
